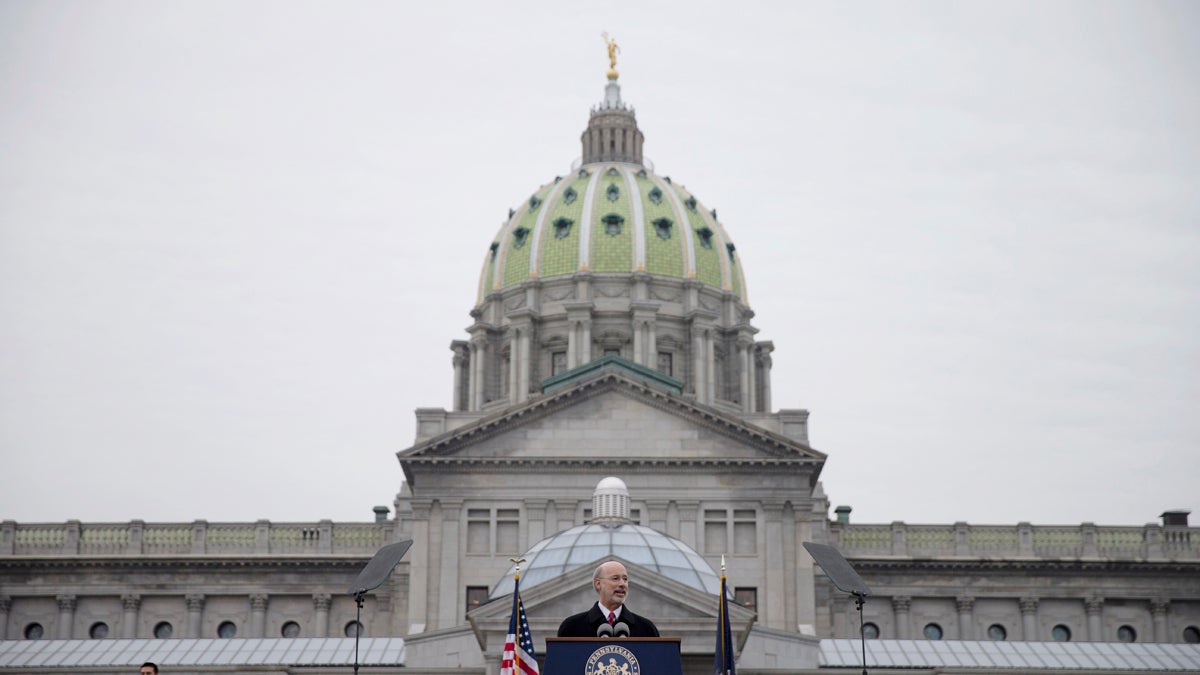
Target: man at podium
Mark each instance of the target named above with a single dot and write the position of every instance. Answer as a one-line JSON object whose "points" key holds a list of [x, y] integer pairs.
{"points": [[609, 616]]}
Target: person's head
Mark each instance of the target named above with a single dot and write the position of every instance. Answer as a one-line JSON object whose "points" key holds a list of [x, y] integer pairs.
{"points": [[148, 668], [612, 583]]}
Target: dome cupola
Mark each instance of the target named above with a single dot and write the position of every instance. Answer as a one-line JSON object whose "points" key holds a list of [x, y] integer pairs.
{"points": [[612, 258]]}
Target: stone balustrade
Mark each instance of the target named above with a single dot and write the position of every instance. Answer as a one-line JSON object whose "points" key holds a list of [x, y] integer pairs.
{"points": [[1150, 542], [197, 538]]}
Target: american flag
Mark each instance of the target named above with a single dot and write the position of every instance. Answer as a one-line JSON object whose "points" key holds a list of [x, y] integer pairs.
{"points": [[519, 658]]}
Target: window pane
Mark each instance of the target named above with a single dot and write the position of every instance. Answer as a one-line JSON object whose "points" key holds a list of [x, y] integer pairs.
{"points": [[477, 537], [744, 538], [746, 596], [476, 596], [714, 538], [506, 537]]}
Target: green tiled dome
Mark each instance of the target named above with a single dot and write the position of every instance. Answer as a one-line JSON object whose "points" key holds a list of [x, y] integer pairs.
{"points": [[611, 218]]}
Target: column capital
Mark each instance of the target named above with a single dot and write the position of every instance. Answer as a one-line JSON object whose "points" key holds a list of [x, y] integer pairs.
{"points": [[131, 601], [66, 602], [1159, 606], [1093, 605], [258, 602], [322, 601], [1028, 605], [901, 603], [195, 601], [965, 603], [5, 603]]}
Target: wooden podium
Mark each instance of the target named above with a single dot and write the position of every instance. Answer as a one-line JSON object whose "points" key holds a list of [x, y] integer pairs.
{"points": [[599, 656]]}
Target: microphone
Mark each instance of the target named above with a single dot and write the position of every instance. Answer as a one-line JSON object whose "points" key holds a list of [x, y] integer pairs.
{"points": [[605, 630], [621, 629]]}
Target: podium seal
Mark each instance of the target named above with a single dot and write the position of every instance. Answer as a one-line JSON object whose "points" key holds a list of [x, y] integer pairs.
{"points": [[612, 660]]}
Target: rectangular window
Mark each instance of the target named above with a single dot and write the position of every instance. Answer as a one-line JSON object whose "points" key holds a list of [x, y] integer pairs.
{"points": [[665, 363], [476, 596], [479, 531], [715, 542], [746, 596], [558, 362], [612, 352], [730, 531], [745, 532], [508, 531], [493, 531]]}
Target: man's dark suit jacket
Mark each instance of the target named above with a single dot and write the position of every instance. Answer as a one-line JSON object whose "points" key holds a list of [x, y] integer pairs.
{"points": [[585, 624]]}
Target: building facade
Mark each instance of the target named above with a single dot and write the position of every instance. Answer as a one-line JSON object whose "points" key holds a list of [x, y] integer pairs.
{"points": [[611, 337]]}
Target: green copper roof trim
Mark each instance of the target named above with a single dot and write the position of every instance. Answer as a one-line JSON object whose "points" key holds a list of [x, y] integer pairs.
{"points": [[612, 362]]}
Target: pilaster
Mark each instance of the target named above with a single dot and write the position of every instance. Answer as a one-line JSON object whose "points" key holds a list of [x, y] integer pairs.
{"points": [[131, 603], [1029, 608], [195, 611], [966, 617], [258, 615], [1159, 607], [1094, 606], [66, 616], [321, 604], [5, 606], [900, 607]]}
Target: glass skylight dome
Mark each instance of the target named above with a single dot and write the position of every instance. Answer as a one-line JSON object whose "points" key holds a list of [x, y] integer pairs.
{"points": [[610, 535]]}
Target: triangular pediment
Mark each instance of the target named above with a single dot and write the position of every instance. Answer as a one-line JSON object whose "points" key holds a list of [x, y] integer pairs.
{"points": [[610, 417]]}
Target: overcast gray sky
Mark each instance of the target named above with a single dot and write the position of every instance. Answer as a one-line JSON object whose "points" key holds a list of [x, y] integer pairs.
{"points": [[237, 238]]}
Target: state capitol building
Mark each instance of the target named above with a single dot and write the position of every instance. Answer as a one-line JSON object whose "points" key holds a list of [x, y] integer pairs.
{"points": [[611, 399]]}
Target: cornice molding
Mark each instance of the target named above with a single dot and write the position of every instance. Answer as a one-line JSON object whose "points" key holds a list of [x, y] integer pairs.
{"points": [[1046, 566], [247, 561]]}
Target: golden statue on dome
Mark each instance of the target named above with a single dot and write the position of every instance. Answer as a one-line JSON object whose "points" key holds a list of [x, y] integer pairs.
{"points": [[613, 50]]}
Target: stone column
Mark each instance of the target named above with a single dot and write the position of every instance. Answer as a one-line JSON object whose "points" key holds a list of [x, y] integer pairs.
{"points": [[1093, 607], [195, 612], [514, 365], [966, 620], [478, 355], [744, 365], [1158, 611], [699, 384], [710, 365], [579, 336], [66, 616], [418, 586], [461, 358], [585, 340], [5, 606], [752, 374], [131, 602], [764, 352], [450, 555], [841, 605], [1029, 607], [258, 615], [321, 603], [771, 608], [900, 606]]}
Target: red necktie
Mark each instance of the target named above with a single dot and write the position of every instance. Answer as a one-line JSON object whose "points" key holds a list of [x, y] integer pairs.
{"points": [[612, 618]]}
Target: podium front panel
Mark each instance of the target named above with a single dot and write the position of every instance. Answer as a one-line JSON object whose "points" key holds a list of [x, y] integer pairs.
{"points": [[605, 656]]}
